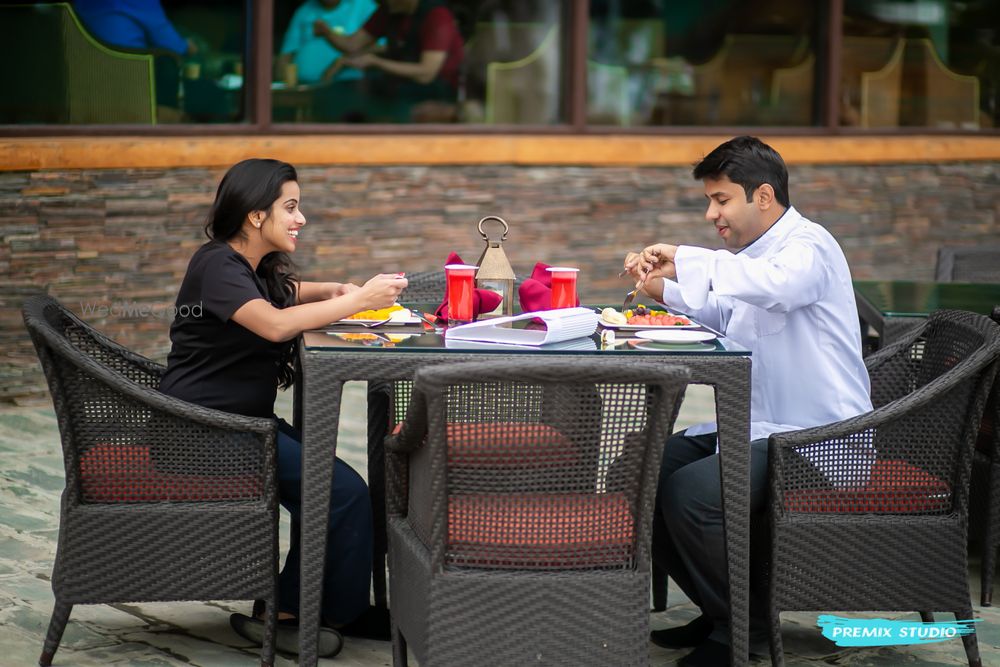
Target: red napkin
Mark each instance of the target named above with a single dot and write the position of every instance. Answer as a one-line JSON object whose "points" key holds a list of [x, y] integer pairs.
{"points": [[535, 293], [483, 300]]}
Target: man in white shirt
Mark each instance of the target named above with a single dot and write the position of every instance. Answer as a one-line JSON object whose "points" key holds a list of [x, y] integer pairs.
{"points": [[782, 289]]}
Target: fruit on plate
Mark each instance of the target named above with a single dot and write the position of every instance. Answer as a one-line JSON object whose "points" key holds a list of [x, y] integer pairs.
{"points": [[612, 316], [380, 314], [643, 316]]}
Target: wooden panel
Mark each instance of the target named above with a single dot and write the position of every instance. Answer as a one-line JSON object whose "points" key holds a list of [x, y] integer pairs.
{"points": [[33, 153]]}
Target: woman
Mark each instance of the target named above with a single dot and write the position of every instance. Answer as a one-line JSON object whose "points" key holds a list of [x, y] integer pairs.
{"points": [[244, 308]]}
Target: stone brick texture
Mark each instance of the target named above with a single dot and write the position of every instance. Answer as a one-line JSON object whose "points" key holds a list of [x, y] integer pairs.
{"points": [[114, 244]]}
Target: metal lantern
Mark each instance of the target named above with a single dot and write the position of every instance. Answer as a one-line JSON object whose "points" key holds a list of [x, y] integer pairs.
{"points": [[494, 272]]}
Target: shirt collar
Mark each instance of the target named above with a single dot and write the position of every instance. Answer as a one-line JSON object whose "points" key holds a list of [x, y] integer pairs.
{"points": [[775, 233]]}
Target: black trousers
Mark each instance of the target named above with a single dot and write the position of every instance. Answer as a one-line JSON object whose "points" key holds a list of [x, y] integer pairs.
{"points": [[688, 538]]}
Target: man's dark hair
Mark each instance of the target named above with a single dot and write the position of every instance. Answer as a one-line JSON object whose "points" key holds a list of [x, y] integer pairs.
{"points": [[748, 162]]}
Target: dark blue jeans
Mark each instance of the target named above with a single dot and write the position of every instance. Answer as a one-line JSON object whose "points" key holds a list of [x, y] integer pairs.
{"points": [[349, 537]]}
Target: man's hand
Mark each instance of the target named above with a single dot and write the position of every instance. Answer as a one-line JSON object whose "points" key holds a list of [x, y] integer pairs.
{"points": [[655, 261]]}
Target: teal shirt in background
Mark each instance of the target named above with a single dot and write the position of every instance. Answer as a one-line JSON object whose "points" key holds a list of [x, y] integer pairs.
{"points": [[314, 54]]}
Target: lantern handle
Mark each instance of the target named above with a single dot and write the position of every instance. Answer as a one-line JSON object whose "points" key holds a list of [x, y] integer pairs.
{"points": [[496, 218]]}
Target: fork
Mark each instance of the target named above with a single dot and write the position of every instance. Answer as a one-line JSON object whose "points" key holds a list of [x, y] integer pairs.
{"points": [[629, 298], [372, 325]]}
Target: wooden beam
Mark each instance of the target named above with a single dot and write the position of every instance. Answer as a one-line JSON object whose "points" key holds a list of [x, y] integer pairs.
{"points": [[36, 153]]}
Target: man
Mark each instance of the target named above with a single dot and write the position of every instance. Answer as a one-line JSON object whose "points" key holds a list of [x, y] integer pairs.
{"points": [[783, 290], [132, 24], [420, 65], [313, 54]]}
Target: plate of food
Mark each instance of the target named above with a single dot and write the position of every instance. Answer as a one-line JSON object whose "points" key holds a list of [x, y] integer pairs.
{"points": [[395, 314], [641, 318], [682, 336]]}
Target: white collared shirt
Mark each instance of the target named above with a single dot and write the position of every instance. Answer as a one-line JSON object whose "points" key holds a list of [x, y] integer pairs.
{"points": [[788, 298]]}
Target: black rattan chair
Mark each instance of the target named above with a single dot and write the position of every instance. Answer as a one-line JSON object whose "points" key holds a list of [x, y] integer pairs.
{"points": [[520, 500], [984, 499], [968, 264], [164, 500], [884, 526]]}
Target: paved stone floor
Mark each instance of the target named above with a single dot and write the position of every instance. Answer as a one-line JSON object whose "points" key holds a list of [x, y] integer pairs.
{"points": [[196, 633]]}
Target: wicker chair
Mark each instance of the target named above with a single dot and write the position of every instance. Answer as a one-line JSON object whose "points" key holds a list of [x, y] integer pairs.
{"points": [[984, 499], [164, 500], [968, 264], [884, 527], [529, 485]]}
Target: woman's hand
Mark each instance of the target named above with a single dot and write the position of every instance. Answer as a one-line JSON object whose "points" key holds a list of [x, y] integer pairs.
{"points": [[346, 288], [381, 291]]}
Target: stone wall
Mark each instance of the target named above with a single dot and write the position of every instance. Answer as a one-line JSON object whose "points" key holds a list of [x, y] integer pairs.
{"points": [[114, 244]]}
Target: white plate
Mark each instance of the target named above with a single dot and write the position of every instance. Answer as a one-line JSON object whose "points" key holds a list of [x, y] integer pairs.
{"points": [[404, 317], [644, 327], [663, 336]]}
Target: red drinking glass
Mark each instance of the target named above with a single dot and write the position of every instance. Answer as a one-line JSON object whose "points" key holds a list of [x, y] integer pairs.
{"points": [[461, 284], [563, 286]]}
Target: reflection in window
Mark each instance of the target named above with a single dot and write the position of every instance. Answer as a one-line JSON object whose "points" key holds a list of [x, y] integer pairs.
{"points": [[99, 62], [920, 63], [413, 61], [717, 62]]}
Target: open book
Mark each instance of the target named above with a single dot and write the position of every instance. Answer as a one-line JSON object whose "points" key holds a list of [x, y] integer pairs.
{"points": [[536, 328]]}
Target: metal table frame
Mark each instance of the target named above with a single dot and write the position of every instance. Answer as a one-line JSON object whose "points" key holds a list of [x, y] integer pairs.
{"points": [[324, 371]]}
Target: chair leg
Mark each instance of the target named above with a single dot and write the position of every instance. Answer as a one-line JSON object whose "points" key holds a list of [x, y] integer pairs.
{"points": [[57, 624], [379, 416], [660, 584], [398, 645], [774, 640], [927, 616], [970, 640], [270, 630], [991, 537]]}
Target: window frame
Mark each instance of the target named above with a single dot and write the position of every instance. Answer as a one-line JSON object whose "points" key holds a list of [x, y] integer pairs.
{"points": [[258, 99]]}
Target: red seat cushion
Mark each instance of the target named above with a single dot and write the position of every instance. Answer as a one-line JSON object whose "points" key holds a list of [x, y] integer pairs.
{"points": [[895, 487], [473, 444], [126, 474], [564, 530]]}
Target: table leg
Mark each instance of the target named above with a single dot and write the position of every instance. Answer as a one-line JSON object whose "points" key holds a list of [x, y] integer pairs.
{"points": [[321, 416], [734, 468]]}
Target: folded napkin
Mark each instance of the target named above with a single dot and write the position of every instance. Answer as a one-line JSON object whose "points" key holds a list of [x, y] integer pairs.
{"points": [[483, 300], [535, 293]]}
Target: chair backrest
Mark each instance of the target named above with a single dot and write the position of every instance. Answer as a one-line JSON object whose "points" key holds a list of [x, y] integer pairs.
{"points": [[947, 366], [424, 287], [935, 96], [124, 441], [526, 91], [539, 464], [968, 264], [61, 65]]}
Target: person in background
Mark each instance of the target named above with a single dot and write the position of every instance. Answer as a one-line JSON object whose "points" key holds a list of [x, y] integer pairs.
{"points": [[420, 64], [782, 289], [133, 24], [236, 353], [313, 54]]}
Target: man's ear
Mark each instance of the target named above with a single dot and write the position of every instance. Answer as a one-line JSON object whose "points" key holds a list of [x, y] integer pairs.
{"points": [[764, 196]]}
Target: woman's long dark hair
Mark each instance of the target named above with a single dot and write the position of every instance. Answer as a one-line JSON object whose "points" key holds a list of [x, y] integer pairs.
{"points": [[248, 186]]}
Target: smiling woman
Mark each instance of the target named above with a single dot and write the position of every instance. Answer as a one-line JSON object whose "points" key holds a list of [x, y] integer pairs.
{"points": [[235, 352]]}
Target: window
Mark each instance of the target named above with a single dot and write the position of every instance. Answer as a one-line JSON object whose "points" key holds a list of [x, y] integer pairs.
{"points": [[236, 66], [715, 62], [920, 63], [89, 63], [425, 61]]}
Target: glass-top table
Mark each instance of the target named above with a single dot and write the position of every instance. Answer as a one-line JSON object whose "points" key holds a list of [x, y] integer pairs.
{"points": [[893, 307], [330, 357]]}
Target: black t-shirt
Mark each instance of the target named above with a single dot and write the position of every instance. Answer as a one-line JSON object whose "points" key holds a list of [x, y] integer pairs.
{"points": [[214, 361]]}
